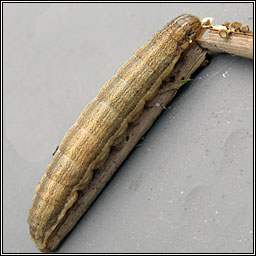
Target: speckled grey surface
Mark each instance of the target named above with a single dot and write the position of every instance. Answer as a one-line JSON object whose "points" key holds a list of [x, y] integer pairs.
{"points": [[187, 188]]}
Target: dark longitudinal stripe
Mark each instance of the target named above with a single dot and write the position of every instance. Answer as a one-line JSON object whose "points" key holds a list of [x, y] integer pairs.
{"points": [[119, 100]]}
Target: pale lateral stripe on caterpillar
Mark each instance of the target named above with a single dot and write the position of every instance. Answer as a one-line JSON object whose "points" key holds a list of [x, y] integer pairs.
{"points": [[103, 121]]}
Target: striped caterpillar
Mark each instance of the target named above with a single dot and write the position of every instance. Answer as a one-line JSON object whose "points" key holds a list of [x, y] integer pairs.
{"points": [[102, 124]]}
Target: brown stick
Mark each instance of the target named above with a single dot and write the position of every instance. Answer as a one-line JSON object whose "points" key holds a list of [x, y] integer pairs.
{"points": [[237, 43], [191, 60]]}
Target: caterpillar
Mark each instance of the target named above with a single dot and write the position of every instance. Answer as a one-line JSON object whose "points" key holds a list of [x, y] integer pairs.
{"points": [[103, 122]]}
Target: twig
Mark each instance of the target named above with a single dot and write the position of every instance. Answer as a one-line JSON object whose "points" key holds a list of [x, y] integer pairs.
{"points": [[235, 43], [186, 66]]}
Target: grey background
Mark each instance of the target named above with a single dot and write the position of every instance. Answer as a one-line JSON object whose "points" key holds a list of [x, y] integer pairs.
{"points": [[187, 188]]}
